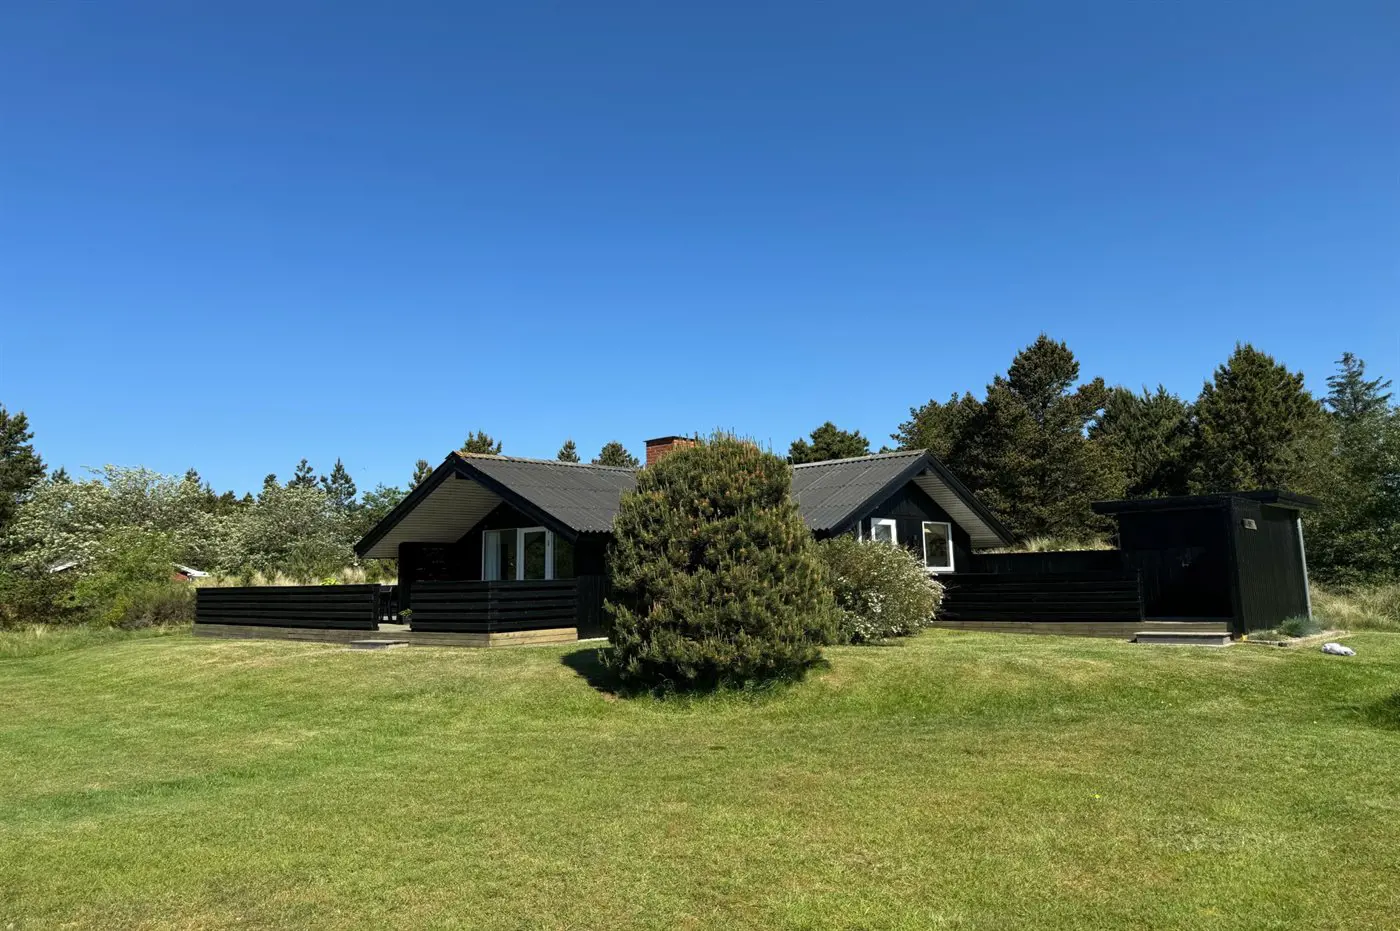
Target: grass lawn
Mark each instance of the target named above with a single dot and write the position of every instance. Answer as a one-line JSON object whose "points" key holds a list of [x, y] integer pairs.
{"points": [[958, 780]]}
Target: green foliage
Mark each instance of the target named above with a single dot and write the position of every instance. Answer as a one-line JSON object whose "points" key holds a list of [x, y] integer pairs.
{"points": [[615, 454], [303, 477], [32, 595], [1024, 450], [1355, 538], [377, 504], [881, 590], [340, 488], [129, 584], [294, 530], [944, 429], [1149, 435], [421, 470], [715, 577], [480, 442], [21, 468], [1299, 626], [1258, 427], [568, 452], [828, 442]]}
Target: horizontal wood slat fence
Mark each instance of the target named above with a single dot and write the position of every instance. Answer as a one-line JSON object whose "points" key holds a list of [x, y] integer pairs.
{"points": [[1066, 597], [490, 607], [341, 607]]}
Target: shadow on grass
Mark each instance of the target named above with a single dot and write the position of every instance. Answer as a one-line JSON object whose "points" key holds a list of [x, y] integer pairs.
{"points": [[588, 664]]}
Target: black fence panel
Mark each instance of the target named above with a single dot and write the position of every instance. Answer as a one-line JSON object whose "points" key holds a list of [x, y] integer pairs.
{"points": [[1064, 597], [492, 607], [342, 607]]}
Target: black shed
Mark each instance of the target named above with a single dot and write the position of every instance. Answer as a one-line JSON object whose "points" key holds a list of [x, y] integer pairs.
{"points": [[1236, 557]]}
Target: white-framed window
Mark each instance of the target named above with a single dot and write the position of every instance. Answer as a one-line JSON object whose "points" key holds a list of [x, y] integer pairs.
{"points": [[938, 546], [884, 530], [525, 553]]}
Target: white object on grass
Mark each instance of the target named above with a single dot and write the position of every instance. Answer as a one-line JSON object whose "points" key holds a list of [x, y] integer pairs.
{"points": [[1336, 649]]}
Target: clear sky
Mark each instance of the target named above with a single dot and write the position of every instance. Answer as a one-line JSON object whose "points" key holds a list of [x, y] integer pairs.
{"points": [[236, 234]]}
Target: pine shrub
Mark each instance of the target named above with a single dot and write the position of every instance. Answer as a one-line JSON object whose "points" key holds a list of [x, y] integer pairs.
{"points": [[881, 590], [716, 580]]}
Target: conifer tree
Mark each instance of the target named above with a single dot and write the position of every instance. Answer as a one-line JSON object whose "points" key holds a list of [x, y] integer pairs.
{"points": [[1257, 426], [60, 476], [614, 453], [1149, 435], [20, 466], [304, 477], [568, 452], [715, 577], [1355, 537], [340, 488], [944, 429], [828, 442], [1025, 451], [481, 442], [421, 471]]}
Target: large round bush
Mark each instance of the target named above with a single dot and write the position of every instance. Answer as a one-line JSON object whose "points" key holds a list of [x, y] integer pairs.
{"points": [[881, 590], [715, 578]]}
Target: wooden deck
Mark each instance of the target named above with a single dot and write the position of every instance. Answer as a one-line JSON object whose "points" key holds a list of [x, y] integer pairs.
{"points": [[514, 638], [1121, 630]]}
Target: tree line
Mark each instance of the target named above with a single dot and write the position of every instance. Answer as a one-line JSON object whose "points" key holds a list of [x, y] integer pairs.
{"points": [[1041, 443], [1037, 445]]}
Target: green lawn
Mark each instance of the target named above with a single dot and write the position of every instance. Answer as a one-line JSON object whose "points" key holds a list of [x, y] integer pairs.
{"points": [[954, 781]]}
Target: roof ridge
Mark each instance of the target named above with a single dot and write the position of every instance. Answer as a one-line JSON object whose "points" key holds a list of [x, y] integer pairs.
{"points": [[892, 455], [558, 462]]}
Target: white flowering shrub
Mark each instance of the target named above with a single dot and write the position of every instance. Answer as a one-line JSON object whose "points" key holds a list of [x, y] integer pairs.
{"points": [[882, 590]]}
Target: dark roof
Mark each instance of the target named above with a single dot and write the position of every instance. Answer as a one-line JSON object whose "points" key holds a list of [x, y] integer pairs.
{"points": [[580, 496], [834, 494], [577, 498], [1271, 496], [569, 496], [829, 492]]}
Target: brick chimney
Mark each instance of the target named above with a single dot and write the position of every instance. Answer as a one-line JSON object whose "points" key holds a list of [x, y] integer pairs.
{"points": [[663, 446]]}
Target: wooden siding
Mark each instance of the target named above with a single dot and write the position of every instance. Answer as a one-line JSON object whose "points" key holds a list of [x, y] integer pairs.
{"points": [[488, 607], [1069, 598], [347, 607], [910, 506], [1272, 579]]}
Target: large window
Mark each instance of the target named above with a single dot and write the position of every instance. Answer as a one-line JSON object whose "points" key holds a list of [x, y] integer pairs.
{"points": [[525, 553], [938, 546]]}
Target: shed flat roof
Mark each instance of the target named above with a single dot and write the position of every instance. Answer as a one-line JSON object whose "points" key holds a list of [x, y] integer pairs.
{"points": [[1271, 496]]}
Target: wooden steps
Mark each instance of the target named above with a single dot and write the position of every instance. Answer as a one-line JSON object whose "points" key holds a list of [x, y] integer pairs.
{"points": [[1200, 638]]}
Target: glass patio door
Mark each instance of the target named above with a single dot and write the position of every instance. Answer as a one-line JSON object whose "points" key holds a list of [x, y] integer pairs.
{"points": [[534, 549]]}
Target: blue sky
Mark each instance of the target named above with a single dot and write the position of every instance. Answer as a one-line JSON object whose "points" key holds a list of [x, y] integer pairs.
{"points": [[233, 235]]}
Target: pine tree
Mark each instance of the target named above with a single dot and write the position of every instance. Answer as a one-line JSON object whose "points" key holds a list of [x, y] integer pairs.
{"points": [[568, 452], [828, 442], [20, 466], [60, 476], [1024, 450], [1257, 426], [715, 577], [480, 442], [1355, 538], [941, 428], [614, 453], [340, 488], [1149, 435], [270, 484], [304, 477], [421, 471]]}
